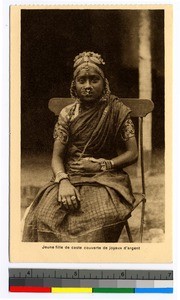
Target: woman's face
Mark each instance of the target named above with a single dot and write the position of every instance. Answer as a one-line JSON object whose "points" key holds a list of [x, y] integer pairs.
{"points": [[89, 85]]}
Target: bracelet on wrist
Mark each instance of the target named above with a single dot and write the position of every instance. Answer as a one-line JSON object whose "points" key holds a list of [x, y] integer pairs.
{"points": [[59, 172], [112, 164], [60, 176], [106, 165]]}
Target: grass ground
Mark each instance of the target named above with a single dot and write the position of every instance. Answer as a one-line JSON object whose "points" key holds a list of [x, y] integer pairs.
{"points": [[36, 171]]}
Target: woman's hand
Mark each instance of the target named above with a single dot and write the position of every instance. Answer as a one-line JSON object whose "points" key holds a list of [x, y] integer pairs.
{"points": [[68, 195], [85, 165]]}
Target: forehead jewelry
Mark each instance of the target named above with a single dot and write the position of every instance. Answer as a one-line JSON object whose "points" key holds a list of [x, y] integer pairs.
{"points": [[86, 67]]}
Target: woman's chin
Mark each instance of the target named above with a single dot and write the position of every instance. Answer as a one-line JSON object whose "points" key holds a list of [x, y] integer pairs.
{"points": [[88, 98]]}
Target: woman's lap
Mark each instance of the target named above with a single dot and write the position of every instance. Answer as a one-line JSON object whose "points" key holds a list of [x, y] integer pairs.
{"points": [[98, 219]]}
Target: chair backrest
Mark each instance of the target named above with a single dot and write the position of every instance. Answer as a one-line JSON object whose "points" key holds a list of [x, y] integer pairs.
{"points": [[139, 107]]}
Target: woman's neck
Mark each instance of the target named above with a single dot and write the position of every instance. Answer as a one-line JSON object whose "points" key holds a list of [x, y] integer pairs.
{"points": [[86, 105]]}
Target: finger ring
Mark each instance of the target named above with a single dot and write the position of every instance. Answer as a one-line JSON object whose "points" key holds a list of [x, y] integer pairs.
{"points": [[73, 197]]}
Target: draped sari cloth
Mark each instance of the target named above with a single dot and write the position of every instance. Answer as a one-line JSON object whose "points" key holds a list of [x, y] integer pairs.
{"points": [[106, 197]]}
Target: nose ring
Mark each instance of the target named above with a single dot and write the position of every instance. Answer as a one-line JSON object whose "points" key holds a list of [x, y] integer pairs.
{"points": [[88, 90]]}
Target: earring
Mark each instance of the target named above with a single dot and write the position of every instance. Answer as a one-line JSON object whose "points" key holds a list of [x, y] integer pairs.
{"points": [[73, 92], [106, 91]]}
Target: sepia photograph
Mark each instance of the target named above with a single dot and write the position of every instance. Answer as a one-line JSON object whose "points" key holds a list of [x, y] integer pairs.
{"points": [[89, 135]]}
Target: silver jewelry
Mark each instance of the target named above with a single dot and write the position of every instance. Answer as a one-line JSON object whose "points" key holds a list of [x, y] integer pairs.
{"points": [[112, 163], [59, 172], [60, 176], [106, 165], [73, 198]]}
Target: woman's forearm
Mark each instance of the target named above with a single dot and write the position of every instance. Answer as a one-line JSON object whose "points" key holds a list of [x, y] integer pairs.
{"points": [[57, 164], [57, 157], [125, 158], [129, 156]]}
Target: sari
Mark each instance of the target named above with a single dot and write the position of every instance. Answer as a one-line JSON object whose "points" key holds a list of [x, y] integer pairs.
{"points": [[106, 197]]}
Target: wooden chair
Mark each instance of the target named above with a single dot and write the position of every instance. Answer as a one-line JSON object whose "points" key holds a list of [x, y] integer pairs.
{"points": [[139, 109]]}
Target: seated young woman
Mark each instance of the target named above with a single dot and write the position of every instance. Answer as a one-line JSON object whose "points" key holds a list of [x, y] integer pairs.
{"points": [[90, 195]]}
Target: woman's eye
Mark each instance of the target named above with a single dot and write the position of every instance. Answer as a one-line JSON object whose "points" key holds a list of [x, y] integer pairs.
{"points": [[94, 80], [81, 80]]}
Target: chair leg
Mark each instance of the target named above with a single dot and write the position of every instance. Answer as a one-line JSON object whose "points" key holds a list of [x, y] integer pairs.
{"points": [[128, 232], [142, 219]]}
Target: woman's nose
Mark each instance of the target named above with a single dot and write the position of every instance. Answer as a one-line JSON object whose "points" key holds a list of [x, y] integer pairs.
{"points": [[87, 84]]}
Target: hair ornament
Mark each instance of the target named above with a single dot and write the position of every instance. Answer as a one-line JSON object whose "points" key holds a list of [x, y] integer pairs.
{"points": [[86, 57]]}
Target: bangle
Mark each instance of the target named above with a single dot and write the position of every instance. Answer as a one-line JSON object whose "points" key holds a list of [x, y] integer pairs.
{"points": [[60, 176], [112, 164], [106, 165], [59, 172]]}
